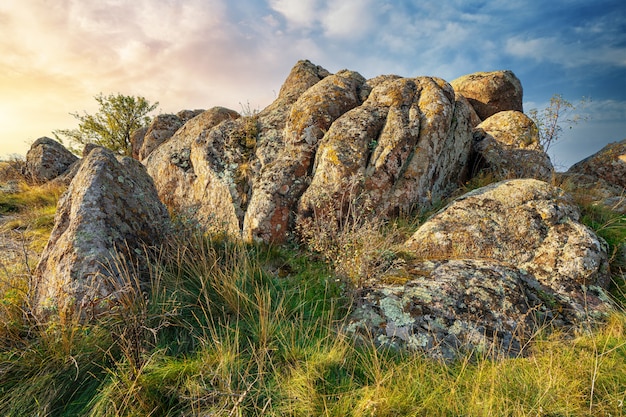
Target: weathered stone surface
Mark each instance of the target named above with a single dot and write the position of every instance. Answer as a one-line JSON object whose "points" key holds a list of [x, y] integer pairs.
{"points": [[111, 204], [408, 144], [609, 164], [590, 189], [491, 92], [526, 223], [448, 307], [227, 160], [186, 115], [162, 127], [508, 144], [47, 159], [269, 216], [136, 141], [170, 164]]}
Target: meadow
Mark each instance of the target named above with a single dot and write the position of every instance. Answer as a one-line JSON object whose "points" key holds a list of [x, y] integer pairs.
{"points": [[232, 329]]}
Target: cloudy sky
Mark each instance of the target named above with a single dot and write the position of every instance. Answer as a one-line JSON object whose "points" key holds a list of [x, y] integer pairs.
{"points": [[56, 55]]}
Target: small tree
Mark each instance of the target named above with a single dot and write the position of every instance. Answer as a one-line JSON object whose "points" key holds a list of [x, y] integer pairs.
{"points": [[549, 120], [111, 127]]}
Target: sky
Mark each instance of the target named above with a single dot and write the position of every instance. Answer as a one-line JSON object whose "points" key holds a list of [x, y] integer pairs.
{"points": [[57, 55]]}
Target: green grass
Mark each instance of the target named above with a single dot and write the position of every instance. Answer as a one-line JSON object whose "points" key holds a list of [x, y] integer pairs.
{"points": [[230, 329]]}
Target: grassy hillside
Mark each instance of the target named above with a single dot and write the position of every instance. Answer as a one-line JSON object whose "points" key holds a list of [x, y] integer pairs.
{"points": [[241, 330]]}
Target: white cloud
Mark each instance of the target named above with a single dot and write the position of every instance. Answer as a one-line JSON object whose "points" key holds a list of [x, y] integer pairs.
{"points": [[348, 18], [299, 14], [567, 54]]}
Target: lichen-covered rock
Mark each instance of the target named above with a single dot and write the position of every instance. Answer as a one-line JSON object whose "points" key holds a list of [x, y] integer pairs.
{"points": [[407, 145], [47, 159], [187, 115], [162, 127], [170, 164], [111, 205], [508, 144], [609, 164], [590, 189], [526, 223], [225, 162], [136, 141], [447, 307], [269, 215], [491, 92]]}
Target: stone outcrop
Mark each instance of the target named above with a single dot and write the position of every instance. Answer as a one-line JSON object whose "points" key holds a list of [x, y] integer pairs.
{"points": [[482, 274], [447, 307], [406, 146], [269, 215], [47, 159], [162, 127], [404, 141], [608, 164], [526, 223], [220, 165], [111, 205], [508, 144], [171, 167], [486, 272], [491, 92]]}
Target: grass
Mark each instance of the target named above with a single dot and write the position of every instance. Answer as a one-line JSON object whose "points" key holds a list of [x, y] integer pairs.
{"points": [[241, 330]]}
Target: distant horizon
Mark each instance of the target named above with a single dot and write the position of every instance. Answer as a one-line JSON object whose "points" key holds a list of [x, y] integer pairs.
{"points": [[202, 53]]}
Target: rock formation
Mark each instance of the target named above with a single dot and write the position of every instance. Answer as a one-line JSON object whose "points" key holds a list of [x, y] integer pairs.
{"points": [[608, 164], [508, 144], [407, 145], [47, 159], [482, 273], [111, 206], [487, 271], [448, 307], [171, 167], [404, 142], [491, 92]]}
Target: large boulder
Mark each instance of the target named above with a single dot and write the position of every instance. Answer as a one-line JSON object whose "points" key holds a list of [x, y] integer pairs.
{"points": [[407, 145], [491, 92], [171, 167], [526, 223], [109, 211], [269, 215], [449, 307], [508, 144], [47, 159], [209, 176], [608, 164], [592, 190], [187, 115], [485, 273], [162, 127]]}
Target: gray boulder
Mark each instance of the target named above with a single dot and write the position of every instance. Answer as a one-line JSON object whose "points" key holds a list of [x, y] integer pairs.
{"points": [[110, 210], [507, 143], [608, 164], [47, 159], [446, 308], [526, 223]]}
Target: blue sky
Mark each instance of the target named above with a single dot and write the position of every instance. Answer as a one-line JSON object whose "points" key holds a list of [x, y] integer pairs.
{"points": [[55, 56]]}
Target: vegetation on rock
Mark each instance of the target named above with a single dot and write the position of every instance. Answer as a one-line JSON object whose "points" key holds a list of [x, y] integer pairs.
{"points": [[238, 329]]}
